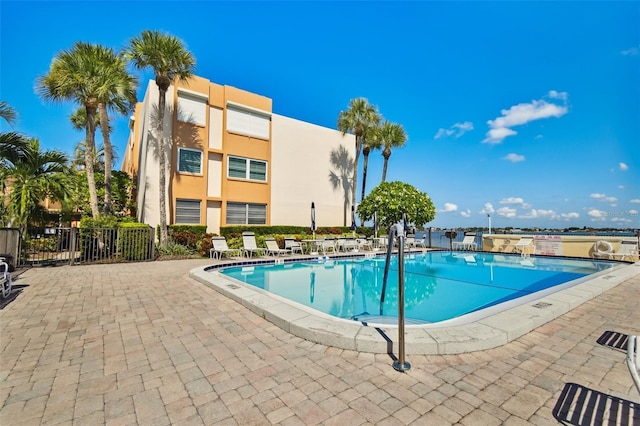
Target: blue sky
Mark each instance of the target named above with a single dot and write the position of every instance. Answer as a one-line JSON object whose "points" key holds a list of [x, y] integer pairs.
{"points": [[527, 111]]}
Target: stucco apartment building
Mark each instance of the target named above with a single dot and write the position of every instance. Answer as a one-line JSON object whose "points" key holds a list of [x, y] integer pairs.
{"points": [[234, 161]]}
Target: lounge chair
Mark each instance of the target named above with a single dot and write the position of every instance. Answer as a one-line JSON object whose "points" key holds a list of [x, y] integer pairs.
{"points": [[293, 245], [633, 359], [250, 246], [5, 278], [410, 241], [273, 248], [524, 246], [219, 248], [627, 249], [421, 242], [346, 244], [467, 243], [327, 246]]}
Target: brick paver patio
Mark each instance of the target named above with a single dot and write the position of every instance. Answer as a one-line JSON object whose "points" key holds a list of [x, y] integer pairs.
{"points": [[145, 344]]}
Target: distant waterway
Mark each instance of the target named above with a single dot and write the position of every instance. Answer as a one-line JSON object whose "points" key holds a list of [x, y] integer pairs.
{"points": [[439, 239]]}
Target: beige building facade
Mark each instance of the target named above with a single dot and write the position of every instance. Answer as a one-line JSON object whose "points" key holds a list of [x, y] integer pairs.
{"points": [[232, 161]]}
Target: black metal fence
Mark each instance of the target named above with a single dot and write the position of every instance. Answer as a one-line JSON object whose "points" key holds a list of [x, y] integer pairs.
{"points": [[72, 246]]}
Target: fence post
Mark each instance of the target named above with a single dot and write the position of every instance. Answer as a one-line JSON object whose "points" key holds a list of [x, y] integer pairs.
{"points": [[72, 245]]}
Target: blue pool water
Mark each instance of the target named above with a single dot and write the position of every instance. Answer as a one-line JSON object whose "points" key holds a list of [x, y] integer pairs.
{"points": [[438, 285]]}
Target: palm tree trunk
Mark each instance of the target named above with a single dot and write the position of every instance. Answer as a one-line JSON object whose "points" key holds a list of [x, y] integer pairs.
{"points": [[88, 160], [384, 169], [354, 181], [365, 165], [163, 172], [108, 156]]}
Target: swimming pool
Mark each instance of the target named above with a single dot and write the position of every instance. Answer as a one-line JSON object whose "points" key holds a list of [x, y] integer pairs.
{"points": [[479, 330], [439, 286]]}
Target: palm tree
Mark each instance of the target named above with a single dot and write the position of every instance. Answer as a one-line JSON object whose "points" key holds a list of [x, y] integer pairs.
{"points": [[7, 112], [169, 59], [34, 177], [98, 157], [119, 95], [391, 135], [78, 74], [357, 119], [11, 143], [370, 143]]}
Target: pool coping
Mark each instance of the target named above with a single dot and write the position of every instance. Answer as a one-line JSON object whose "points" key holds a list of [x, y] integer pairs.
{"points": [[486, 333]]}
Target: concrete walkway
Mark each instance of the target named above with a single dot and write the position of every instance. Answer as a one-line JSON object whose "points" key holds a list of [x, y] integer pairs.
{"points": [[145, 344]]}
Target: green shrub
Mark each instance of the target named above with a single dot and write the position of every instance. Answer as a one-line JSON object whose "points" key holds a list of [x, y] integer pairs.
{"points": [[134, 241]]}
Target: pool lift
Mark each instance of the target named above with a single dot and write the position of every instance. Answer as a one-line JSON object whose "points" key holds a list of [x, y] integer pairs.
{"points": [[397, 231]]}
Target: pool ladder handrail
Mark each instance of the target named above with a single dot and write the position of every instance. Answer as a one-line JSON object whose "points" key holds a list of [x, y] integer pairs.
{"points": [[398, 229]]}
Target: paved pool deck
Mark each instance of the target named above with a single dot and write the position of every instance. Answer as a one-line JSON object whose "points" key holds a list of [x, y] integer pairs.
{"points": [[144, 343]]}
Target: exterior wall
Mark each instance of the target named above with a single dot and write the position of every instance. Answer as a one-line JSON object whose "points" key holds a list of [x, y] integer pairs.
{"points": [[297, 156], [572, 245], [300, 170]]}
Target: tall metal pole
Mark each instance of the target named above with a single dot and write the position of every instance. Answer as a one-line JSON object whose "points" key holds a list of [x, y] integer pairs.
{"points": [[401, 365], [489, 216]]}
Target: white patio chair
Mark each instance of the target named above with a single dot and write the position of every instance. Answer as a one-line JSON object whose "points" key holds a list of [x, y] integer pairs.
{"points": [[273, 248], [633, 359], [327, 246], [5, 278], [467, 243], [627, 249], [219, 248], [250, 246], [293, 245]]}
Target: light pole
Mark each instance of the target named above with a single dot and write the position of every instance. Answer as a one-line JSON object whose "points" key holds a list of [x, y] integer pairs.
{"points": [[489, 216]]}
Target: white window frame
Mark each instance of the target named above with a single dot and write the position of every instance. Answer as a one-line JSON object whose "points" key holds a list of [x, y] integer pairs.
{"points": [[247, 121], [192, 107], [247, 168], [199, 172], [184, 208], [248, 219]]}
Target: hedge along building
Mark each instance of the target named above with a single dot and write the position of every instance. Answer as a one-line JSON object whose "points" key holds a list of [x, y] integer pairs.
{"points": [[234, 162]]}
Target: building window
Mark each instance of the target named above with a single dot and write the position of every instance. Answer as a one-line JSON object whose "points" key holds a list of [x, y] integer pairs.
{"points": [[245, 168], [188, 212], [189, 161], [248, 122], [192, 107], [246, 214]]}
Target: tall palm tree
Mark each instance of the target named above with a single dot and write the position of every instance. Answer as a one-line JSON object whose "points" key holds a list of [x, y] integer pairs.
{"points": [[371, 142], [392, 135], [170, 60], [118, 94], [77, 74], [34, 177], [357, 119], [98, 157]]}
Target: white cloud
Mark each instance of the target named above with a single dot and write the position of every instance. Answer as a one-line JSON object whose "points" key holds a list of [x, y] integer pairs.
{"points": [[633, 212], [488, 208], [621, 219], [442, 133], [558, 95], [448, 207], [539, 213], [466, 213], [568, 216], [620, 186], [507, 212], [538, 137], [632, 51], [597, 214], [514, 158], [460, 128], [623, 166], [523, 113], [604, 198], [635, 201], [512, 200]]}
